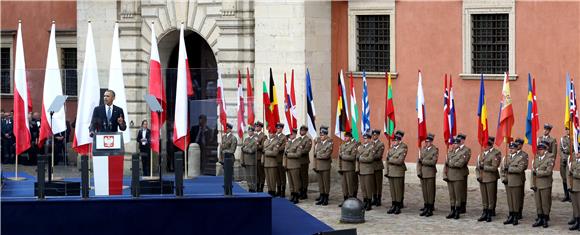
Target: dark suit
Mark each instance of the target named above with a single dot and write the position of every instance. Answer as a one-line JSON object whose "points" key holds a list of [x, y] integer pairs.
{"points": [[8, 148], [144, 143], [100, 122]]}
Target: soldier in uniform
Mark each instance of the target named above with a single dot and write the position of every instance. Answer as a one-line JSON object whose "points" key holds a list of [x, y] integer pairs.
{"points": [[271, 145], [249, 156], [365, 158], [281, 187], [426, 171], [553, 144], [261, 175], [378, 150], [521, 152], [542, 168], [514, 166], [292, 164], [322, 154], [396, 172], [455, 163], [487, 174], [564, 157], [466, 153], [574, 174], [346, 166], [228, 144], [305, 146]]}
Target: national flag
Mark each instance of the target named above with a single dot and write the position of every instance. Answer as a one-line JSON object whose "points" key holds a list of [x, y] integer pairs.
{"points": [[567, 109], [240, 107], [221, 103], [420, 108], [89, 97], [574, 122], [293, 107], [311, 118], [275, 118], [52, 89], [266, 101], [250, 98], [390, 123], [116, 81], [446, 124], [342, 122], [366, 116], [532, 122], [506, 118], [287, 104], [21, 98], [156, 89], [482, 127], [353, 110], [181, 120], [452, 117]]}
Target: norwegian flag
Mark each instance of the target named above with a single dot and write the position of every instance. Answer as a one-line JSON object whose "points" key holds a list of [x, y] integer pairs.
{"points": [[446, 130]]}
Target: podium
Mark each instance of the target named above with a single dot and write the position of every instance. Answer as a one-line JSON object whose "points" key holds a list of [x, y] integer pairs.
{"points": [[108, 158]]}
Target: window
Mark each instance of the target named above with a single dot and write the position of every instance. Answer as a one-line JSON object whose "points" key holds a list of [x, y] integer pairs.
{"points": [[490, 43], [5, 70], [69, 65], [373, 43]]}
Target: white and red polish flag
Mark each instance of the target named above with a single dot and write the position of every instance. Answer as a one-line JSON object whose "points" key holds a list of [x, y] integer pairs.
{"points": [[221, 103], [89, 97], [181, 123], [156, 89], [52, 89], [22, 103], [117, 82], [240, 108]]}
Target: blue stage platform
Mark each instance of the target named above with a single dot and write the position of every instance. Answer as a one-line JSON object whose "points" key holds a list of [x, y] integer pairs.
{"points": [[203, 210]]}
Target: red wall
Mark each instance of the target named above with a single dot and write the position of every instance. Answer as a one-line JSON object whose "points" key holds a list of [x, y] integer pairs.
{"points": [[429, 38], [37, 17]]}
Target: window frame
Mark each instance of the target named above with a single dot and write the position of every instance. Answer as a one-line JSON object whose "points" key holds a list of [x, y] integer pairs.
{"points": [[66, 39], [7, 39]]}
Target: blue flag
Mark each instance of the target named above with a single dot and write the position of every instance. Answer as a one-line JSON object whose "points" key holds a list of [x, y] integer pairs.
{"points": [[366, 116]]}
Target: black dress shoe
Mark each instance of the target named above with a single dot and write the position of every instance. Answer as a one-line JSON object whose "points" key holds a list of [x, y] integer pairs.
{"points": [[451, 213], [510, 219]]}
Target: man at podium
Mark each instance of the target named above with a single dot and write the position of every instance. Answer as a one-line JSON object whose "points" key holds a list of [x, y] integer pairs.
{"points": [[108, 117]]}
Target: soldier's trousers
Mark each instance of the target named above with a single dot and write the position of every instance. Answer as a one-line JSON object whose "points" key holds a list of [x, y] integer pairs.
{"points": [[397, 186], [514, 196], [271, 177], [379, 182], [564, 172], [455, 193], [304, 175], [575, 196], [543, 198], [349, 183], [294, 180], [324, 181], [367, 185], [261, 174], [250, 176], [488, 194], [281, 177], [464, 190], [428, 188]]}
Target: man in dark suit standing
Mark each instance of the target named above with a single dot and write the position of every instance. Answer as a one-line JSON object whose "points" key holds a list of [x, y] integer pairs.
{"points": [[108, 117], [144, 141]]}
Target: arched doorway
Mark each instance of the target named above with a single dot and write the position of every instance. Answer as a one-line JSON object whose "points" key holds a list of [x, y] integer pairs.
{"points": [[202, 111]]}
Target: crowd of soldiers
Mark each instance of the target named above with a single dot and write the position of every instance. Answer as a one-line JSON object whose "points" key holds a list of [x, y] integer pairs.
{"points": [[273, 159]]}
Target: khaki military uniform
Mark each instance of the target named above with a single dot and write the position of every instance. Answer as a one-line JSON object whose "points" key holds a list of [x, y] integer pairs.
{"points": [[365, 157], [304, 149], [542, 182], [574, 172], [513, 169], [457, 160], [487, 177], [249, 160], [523, 186], [396, 171], [427, 170], [466, 153], [292, 164], [261, 175], [281, 184], [346, 167], [378, 150], [271, 146], [323, 151], [228, 145], [564, 156]]}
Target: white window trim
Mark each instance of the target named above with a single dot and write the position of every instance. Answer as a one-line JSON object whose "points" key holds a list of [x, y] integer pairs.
{"points": [[7, 41], [370, 8], [488, 7]]}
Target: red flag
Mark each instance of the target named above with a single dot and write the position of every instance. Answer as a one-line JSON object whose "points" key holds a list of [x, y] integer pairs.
{"points": [[250, 98], [221, 102], [240, 107], [156, 89], [446, 130], [21, 98], [287, 105], [293, 103]]}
